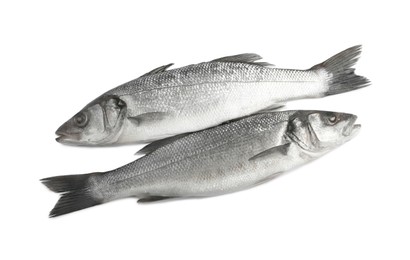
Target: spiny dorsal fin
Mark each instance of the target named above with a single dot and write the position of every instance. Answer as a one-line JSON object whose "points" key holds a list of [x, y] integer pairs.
{"points": [[250, 58], [158, 70], [157, 144]]}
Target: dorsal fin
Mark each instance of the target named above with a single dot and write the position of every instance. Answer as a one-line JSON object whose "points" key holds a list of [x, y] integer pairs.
{"points": [[149, 148], [250, 58], [244, 57], [158, 70]]}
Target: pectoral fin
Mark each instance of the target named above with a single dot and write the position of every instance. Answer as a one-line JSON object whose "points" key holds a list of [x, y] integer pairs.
{"points": [[149, 117], [280, 150]]}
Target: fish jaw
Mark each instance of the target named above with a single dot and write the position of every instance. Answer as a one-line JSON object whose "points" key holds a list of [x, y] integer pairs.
{"points": [[68, 134], [352, 130], [63, 138]]}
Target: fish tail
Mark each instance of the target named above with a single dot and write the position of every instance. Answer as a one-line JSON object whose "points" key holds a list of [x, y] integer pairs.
{"points": [[340, 74], [75, 193]]}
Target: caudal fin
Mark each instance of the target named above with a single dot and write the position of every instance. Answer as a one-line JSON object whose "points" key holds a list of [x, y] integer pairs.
{"points": [[75, 193], [340, 74]]}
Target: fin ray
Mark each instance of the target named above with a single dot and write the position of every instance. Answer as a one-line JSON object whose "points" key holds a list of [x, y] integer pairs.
{"points": [[153, 199], [341, 74], [158, 70], [282, 149], [149, 117], [149, 148], [75, 191], [250, 58]]}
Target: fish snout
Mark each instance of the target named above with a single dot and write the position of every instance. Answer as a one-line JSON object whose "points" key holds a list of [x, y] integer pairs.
{"points": [[66, 133], [351, 128]]}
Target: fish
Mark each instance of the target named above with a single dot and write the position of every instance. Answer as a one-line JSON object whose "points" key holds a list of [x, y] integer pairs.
{"points": [[168, 102], [227, 158]]}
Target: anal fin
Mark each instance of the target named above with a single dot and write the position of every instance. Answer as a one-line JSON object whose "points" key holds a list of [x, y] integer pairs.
{"points": [[152, 199]]}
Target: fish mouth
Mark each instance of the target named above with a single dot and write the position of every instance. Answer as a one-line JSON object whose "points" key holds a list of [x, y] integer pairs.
{"points": [[61, 138], [64, 138], [355, 129], [352, 129]]}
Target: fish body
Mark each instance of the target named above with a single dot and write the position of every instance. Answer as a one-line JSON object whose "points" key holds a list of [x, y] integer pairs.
{"points": [[165, 103], [224, 159], [199, 96]]}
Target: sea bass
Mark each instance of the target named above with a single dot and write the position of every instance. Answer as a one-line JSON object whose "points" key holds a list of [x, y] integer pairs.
{"points": [[164, 103], [227, 158]]}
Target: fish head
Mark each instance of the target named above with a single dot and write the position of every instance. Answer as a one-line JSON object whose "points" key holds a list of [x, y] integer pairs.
{"points": [[318, 131], [99, 123]]}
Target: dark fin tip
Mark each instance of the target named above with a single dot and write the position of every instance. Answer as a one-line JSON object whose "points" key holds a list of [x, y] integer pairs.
{"points": [[75, 191], [73, 201], [66, 183]]}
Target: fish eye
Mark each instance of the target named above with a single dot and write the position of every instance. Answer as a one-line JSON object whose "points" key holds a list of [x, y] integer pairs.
{"points": [[332, 119], [81, 119]]}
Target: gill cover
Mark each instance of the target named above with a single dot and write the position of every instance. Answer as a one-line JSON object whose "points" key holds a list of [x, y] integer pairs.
{"points": [[300, 130], [321, 130], [114, 112]]}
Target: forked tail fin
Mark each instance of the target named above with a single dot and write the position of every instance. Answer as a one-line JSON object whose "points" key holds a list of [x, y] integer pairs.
{"points": [[340, 74], [75, 193]]}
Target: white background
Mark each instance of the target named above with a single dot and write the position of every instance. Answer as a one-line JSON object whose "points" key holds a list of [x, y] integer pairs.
{"points": [[56, 57]]}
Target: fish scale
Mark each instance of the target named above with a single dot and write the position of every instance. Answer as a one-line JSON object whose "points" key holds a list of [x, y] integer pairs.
{"points": [[227, 158], [238, 150], [179, 155], [164, 103]]}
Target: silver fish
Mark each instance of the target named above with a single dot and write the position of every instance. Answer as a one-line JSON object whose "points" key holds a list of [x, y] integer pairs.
{"points": [[164, 103], [227, 158]]}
